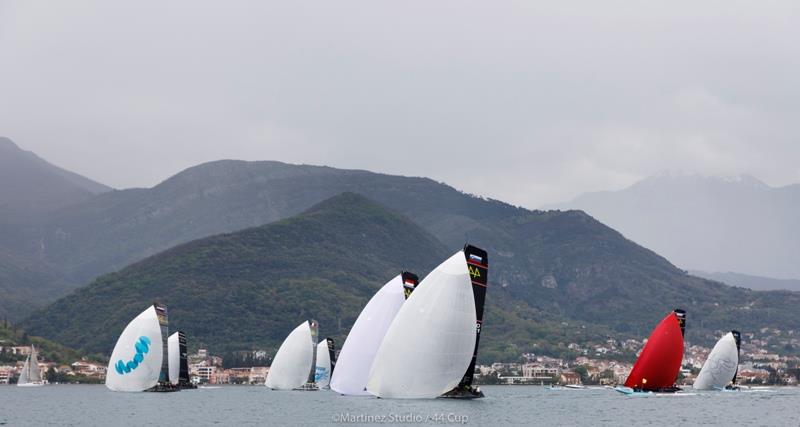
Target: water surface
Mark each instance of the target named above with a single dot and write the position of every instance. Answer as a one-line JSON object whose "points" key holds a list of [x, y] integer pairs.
{"points": [[504, 405]]}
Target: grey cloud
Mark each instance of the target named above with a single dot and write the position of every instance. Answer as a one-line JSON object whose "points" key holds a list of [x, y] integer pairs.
{"points": [[528, 102]]}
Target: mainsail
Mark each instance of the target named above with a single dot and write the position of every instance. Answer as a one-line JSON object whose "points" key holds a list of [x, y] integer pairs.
{"points": [[720, 368], [178, 360], [322, 371], [137, 360], [290, 367], [366, 335], [660, 360], [410, 282], [434, 330]]}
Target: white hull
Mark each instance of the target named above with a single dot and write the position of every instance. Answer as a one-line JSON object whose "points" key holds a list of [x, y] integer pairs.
{"points": [[30, 385]]}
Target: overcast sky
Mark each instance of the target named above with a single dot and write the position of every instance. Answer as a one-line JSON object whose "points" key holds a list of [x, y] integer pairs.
{"points": [[528, 102]]}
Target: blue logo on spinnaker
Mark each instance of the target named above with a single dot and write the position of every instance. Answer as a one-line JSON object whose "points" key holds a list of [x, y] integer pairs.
{"points": [[142, 347]]}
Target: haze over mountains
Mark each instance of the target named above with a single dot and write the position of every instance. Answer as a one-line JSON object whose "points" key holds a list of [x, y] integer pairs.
{"points": [[736, 224], [553, 275], [31, 188]]}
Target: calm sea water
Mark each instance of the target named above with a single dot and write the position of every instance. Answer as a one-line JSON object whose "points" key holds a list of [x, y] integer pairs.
{"points": [[530, 405]]}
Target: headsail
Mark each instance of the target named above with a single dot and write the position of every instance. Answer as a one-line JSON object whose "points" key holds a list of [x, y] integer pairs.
{"points": [[720, 368], [359, 349], [24, 376], [660, 360], [290, 367], [322, 372], [137, 359], [174, 354], [435, 328]]}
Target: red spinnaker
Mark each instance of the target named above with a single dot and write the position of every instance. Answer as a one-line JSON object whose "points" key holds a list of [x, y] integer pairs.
{"points": [[660, 361]]}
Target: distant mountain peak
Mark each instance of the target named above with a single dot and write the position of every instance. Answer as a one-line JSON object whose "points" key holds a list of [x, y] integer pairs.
{"points": [[712, 223], [37, 185]]}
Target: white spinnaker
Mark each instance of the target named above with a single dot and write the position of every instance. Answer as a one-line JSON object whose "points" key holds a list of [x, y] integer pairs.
{"points": [[361, 345], [174, 358], [292, 364], [130, 348], [322, 371], [720, 367], [429, 345]]}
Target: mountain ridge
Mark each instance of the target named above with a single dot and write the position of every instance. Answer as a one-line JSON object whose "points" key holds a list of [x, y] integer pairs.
{"points": [[707, 223]]}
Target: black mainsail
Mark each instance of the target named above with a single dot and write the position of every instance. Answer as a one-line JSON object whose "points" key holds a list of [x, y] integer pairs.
{"points": [[410, 282]]}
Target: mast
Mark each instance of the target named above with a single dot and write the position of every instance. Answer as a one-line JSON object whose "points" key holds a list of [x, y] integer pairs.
{"points": [[478, 266], [331, 353], [314, 332], [163, 322]]}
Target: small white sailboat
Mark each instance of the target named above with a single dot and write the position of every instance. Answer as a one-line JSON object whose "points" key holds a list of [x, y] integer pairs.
{"points": [[138, 362], [435, 328], [719, 370], [294, 360], [365, 337], [31, 375]]}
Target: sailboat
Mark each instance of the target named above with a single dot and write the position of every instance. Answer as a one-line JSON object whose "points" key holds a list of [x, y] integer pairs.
{"points": [[478, 266], [139, 361], [178, 361], [326, 360], [720, 369], [658, 365], [294, 365], [436, 330], [367, 333], [31, 375]]}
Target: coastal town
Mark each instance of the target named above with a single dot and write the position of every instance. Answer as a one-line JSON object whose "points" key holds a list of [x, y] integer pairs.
{"points": [[600, 364]]}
